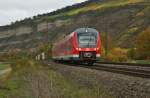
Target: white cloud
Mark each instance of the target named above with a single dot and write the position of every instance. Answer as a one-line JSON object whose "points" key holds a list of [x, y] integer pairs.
{"points": [[12, 10], [78, 1]]}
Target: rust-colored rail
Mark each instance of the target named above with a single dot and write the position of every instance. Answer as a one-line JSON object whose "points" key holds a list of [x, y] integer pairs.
{"points": [[128, 64], [137, 70]]}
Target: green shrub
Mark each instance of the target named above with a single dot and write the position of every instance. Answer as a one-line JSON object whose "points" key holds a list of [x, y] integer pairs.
{"points": [[132, 53]]}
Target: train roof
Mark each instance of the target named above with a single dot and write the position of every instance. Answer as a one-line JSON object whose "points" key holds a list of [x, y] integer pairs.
{"points": [[86, 30], [79, 30]]}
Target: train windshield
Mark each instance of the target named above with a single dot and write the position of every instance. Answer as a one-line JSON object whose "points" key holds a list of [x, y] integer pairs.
{"points": [[86, 39]]}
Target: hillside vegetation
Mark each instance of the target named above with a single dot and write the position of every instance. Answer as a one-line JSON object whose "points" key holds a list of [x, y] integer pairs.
{"points": [[123, 20], [98, 6]]}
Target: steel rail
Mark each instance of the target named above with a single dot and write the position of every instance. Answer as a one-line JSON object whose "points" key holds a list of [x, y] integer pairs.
{"points": [[126, 71], [122, 70], [127, 64]]}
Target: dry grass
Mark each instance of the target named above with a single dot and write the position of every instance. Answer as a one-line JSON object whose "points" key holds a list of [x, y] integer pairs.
{"points": [[96, 6], [41, 82]]}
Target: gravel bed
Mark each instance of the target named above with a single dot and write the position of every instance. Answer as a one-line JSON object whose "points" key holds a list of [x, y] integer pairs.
{"points": [[120, 86]]}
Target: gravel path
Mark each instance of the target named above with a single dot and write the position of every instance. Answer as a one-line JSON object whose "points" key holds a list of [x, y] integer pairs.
{"points": [[121, 86]]}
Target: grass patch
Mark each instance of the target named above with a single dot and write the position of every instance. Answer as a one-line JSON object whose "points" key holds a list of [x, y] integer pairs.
{"points": [[142, 61], [16, 87], [4, 66], [70, 89]]}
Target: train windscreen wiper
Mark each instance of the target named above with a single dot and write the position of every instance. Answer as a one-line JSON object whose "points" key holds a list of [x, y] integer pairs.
{"points": [[89, 41]]}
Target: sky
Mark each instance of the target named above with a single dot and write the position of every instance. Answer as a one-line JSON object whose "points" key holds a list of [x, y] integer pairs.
{"points": [[12, 10]]}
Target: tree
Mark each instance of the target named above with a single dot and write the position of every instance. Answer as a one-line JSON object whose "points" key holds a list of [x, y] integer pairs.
{"points": [[143, 44], [117, 55]]}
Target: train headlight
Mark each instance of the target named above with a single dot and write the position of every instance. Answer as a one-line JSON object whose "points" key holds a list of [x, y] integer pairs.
{"points": [[77, 48]]}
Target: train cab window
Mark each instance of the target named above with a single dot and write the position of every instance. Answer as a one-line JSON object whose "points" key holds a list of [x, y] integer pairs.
{"points": [[87, 37], [87, 40]]}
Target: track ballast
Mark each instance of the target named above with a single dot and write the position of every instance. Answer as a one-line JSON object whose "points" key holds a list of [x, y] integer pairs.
{"points": [[132, 70]]}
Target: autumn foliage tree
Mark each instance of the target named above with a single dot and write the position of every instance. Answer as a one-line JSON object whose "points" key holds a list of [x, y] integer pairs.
{"points": [[117, 55], [143, 45]]}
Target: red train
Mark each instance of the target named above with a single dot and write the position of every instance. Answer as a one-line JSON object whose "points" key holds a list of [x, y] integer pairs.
{"points": [[82, 46]]}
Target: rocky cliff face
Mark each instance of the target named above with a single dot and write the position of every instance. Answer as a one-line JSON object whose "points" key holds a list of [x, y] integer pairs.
{"points": [[21, 37], [27, 37]]}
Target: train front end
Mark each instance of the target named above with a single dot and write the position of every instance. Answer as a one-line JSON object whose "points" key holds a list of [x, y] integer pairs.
{"points": [[87, 45]]}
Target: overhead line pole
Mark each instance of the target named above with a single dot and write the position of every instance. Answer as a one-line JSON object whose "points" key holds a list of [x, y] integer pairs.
{"points": [[106, 35]]}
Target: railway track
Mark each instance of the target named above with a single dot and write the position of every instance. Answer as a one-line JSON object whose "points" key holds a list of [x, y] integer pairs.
{"points": [[127, 64], [138, 71], [132, 70]]}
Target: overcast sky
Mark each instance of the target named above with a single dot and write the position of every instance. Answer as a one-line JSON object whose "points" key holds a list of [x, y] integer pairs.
{"points": [[12, 10]]}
